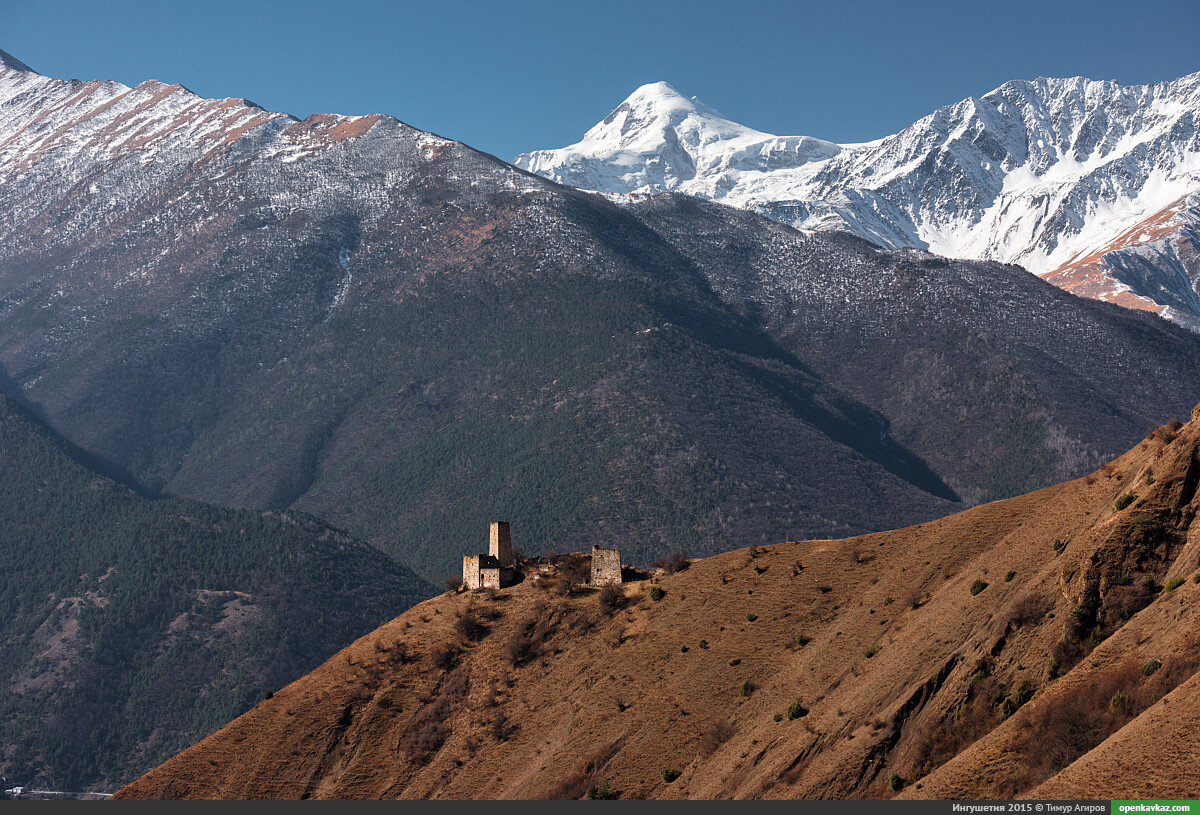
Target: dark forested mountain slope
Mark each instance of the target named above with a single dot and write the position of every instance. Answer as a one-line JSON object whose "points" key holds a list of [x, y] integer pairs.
{"points": [[1002, 382], [408, 337], [130, 627]]}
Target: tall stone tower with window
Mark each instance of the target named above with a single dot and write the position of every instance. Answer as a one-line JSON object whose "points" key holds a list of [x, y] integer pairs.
{"points": [[500, 545]]}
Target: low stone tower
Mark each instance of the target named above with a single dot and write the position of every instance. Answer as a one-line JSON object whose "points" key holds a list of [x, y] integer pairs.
{"points": [[606, 566], [500, 545], [481, 572]]}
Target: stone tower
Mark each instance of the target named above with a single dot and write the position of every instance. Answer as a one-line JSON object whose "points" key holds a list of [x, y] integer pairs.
{"points": [[606, 566], [500, 546]]}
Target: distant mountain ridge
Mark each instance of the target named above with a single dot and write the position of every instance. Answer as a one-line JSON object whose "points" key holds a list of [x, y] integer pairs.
{"points": [[408, 337], [1045, 173]]}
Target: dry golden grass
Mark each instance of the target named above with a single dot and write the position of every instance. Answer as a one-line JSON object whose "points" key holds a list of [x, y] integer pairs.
{"points": [[545, 694]]}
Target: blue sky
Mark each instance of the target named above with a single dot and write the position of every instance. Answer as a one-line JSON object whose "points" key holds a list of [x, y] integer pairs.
{"points": [[515, 76]]}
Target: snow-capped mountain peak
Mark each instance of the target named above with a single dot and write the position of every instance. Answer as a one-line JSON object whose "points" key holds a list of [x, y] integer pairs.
{"points": [[659, 139], [1041, 172], [10, 62]]}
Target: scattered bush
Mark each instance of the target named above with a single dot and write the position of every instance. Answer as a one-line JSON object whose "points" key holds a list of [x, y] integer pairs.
{"points": [[1196, 577], [895, 783], [796, 710], [714, 736], [384, 702], [871, 650], [611, 599], [599, 792], [734, 661], [444, 656], [746, 689], [526, 642], [669, 775], [1174, 583], [978, 586], [824, 589], [453, 583], [427, 732], [673, 563], [778, 717], [573, 785], [1150, 667], [1125, 500], [656, 593], [575, 573], [802, 640], [1059, 545], [502, 727], [1009, 575], [1068, 725], [1166, 433], [470, 627], [751, 617]]}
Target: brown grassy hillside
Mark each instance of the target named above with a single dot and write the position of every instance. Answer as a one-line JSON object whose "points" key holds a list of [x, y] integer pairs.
{"points": [[1042, 645]]}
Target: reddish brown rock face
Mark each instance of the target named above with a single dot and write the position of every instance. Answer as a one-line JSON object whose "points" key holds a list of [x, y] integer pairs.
{"points": [[1131, 268]]}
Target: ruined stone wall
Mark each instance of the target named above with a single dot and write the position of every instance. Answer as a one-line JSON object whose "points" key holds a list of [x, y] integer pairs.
{"points": [[489, 578], [606, 566]]}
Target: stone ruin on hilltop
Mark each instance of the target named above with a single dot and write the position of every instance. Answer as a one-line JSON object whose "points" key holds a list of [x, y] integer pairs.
{"points": [[498, 568]]}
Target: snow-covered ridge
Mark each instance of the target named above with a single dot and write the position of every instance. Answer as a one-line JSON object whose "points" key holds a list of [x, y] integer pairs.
{"points": [[1042, 173], [78, 126]]}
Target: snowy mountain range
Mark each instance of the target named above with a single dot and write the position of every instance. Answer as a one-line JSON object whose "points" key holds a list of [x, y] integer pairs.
{"points": [[1091, 185]]}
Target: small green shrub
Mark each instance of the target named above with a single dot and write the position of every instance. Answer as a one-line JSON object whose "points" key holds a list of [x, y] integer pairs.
{"points": [[1059, 545], [1121, 703], [751, 617], [746, 689], [599, 792], [734, 661], [1150, 667], [871, 651], [683, 649], [895, 783], [778, 717], [978, 586], [704, 645], [796, 710], [1125, 500], [802, 640], [1009, 575], [656, 593], [1174, 583], [669, 775], [1196, 577], [824, 589]]}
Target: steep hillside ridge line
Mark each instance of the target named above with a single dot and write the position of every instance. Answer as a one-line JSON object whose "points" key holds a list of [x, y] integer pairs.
{"points": [[795, 670]]}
